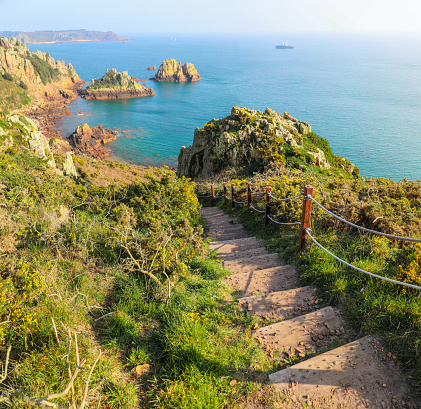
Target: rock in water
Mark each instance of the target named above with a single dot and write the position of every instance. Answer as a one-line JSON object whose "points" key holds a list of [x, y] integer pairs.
{"points": [[91, 140], [172, 71], [115, 85]]}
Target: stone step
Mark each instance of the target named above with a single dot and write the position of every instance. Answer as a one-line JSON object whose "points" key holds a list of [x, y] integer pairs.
{"points": [[215, 245], [220, 222], [232, 249], [281, 305], [306, 333], [211, 211], [230, 228], [253, 263], [249, 252], [229, 236], [263, 281], [355, 375]]}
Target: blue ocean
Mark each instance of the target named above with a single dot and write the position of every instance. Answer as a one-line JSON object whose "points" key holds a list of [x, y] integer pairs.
{"points": [[361, 93]]}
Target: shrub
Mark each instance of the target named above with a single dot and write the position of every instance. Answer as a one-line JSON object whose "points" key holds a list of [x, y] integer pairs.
{"points": [[7, 76]]}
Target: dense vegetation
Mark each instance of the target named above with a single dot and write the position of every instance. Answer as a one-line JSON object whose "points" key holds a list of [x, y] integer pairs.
{"points": [[45, 71], [122, 269]]}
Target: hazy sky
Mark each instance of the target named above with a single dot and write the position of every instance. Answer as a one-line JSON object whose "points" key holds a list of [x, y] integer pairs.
{"points": [[213, 16]]}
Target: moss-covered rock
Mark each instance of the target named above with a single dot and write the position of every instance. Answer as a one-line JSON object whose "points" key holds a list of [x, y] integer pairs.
{"points": [[115, 85], [259, 140], [172, 71]]}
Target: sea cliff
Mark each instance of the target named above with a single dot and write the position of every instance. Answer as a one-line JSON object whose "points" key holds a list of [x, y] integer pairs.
{"points": [[115, 85], [172, 71], [253, 138]]}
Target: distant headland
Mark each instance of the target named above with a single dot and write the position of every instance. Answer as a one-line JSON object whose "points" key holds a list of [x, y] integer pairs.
{"points": [[58, 37]]}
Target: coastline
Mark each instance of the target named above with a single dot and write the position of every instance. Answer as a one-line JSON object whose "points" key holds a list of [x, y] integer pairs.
{"points": [[77, 41], [47, 113]]}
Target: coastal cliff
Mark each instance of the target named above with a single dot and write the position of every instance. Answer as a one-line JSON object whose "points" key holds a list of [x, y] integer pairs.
{"points": [[29, 79], [63, 36], [172, 71], [115, 85], [253, 138]]}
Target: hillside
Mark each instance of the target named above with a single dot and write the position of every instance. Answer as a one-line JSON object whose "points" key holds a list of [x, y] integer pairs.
{"points": [[64, 36], [29, 79]]}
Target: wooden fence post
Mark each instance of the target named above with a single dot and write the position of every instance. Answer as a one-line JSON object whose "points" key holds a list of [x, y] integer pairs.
{"points": [[306, 215], [267, 208], [232, 196], [225, 192], [213, 191], [248, 195]]}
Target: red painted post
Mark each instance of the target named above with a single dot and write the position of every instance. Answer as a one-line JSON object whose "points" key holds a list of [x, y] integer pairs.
{"points": [[306, 215], [267, 208], [225, 191], [248, 195], [213, 190], [232, 196]]}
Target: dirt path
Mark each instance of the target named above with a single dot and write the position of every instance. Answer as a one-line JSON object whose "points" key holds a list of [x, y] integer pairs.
{"points": [[335, 368]]}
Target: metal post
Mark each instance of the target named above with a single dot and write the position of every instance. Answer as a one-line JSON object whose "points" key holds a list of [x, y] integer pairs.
{"points": [[213, 190], [225, 192], [267, 208], [306, 215], [232, 196], [248, 195]]}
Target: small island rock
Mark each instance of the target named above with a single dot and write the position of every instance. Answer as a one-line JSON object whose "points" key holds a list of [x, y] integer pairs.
{"points": [[90, 140], [151, 68], [115, 85], [172, 71]]}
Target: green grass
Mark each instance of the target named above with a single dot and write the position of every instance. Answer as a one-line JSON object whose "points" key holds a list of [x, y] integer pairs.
{"points": [[372, 306]]}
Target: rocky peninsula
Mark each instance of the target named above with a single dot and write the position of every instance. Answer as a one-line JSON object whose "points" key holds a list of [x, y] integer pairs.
{"points": [[253, 138], [62, 36], [115, 85], [172, 71]]}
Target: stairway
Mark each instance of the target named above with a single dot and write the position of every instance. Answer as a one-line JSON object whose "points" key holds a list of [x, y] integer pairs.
{"points": [[355, 374]]}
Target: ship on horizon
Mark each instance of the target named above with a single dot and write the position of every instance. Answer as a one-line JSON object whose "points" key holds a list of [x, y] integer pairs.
{"points": [[284, 46]]}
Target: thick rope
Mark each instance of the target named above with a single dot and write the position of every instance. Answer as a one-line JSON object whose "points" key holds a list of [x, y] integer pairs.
{"points": [[360, 269], [257, 210], [390, 236], [286, 198], [284, 224], [239, 202]]}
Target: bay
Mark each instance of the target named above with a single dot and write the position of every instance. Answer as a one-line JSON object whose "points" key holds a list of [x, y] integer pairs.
{"points": [[361, 93]]}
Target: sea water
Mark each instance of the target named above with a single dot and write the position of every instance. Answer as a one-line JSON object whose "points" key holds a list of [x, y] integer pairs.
{"points": [[361, 93]]}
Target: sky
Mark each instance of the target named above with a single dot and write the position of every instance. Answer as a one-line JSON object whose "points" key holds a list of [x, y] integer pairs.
{"points": [[213, 16]]}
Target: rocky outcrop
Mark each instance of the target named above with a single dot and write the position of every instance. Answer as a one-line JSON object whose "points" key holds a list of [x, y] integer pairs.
{"points": [[172, 71], [248, 136], [115, 85], [69, 168], [151, 68], [91, 140], [38, 71]]}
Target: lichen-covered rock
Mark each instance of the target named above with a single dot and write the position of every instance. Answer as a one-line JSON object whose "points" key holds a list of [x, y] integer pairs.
{"points": [[321, 161], [172, 71], [115, 85], [69, 168], [244, 137]]}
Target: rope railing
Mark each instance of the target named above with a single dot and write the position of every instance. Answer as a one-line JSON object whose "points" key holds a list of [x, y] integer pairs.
{"points": [[360, 269], [390, 236], [304, 234], [284, 224], [285, 198]]}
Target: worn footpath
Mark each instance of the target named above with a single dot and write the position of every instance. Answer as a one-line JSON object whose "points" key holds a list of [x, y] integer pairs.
{"points": [[336, 368]]}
